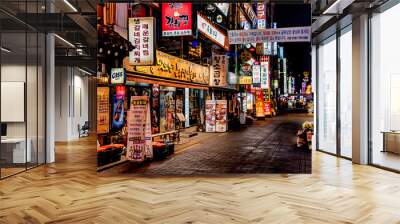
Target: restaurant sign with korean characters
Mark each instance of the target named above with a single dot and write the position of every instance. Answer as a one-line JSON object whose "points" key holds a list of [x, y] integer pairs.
{"points": [[171, 67], [176, 19], [208, 29], [141, 35]]}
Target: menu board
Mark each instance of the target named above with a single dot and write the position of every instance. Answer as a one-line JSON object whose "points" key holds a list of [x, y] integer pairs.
{"points": [[118, 108], [221, 115], [103, 109], [139, 144], [210, 116]]}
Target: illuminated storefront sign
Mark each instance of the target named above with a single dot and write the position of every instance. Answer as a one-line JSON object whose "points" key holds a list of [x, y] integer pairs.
{"points": [[219, 70], [171, 67], [176, 19], [117, 76], [292, 34], [260, 104], [141, 35], [212, 32], [245, 80]]}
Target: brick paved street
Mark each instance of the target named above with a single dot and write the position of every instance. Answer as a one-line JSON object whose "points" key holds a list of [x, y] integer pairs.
{"points": [[265, 147]]}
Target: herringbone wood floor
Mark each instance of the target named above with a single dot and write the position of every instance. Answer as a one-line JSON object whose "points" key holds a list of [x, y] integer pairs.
{"points": [[70, 191]]}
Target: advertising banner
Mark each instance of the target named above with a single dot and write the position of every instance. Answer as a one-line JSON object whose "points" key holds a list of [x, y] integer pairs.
{"points": [[141, 35], [117, 76], [256, 74], [291, 34], [210, 116], [219, 70], [209, 30], [176, 19], [103, 110], [118, 108], [221, 115], [264, 60], [172, 67], [139, 144]]}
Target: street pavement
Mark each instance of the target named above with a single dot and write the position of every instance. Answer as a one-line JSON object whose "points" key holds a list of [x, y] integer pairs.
{"points": [[267, 146]]}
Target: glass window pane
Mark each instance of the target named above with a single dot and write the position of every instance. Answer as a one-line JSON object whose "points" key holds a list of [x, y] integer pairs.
{"points": [[327, 96], [13, 86], [385, 83], [346, 94]]}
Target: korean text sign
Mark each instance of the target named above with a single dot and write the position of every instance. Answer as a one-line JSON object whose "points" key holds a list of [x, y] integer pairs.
{"points": [[176, 19], [141, 35]]}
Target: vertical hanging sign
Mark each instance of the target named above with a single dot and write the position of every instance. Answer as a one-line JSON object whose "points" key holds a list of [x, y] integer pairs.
{"points": [[141, 35], [219, 70], [256, 74], [264, 60]]}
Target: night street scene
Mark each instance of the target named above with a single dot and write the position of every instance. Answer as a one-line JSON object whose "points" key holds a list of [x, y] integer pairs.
{"points": [[204, 88]]}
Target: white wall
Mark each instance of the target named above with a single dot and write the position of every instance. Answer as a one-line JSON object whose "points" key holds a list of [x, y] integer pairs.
{"points": [[33, 127], [71, 102]]}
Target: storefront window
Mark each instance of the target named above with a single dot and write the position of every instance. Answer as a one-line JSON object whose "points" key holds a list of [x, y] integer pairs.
{"points": [[346, 93], [327, 96], [385, 89], [194, 108]]}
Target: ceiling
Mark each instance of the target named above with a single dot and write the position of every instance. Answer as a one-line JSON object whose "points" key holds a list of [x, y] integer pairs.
{"points": [[23, 21]]}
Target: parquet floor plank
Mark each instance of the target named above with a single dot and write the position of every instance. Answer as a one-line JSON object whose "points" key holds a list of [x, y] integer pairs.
{"points": [[70, 191]]}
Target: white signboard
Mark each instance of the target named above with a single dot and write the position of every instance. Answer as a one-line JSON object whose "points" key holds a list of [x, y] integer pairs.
{"points": [[256, 74], [265, 75], [117, 76], [141, 35], [213, 33], [219, 70], [292, 34]]}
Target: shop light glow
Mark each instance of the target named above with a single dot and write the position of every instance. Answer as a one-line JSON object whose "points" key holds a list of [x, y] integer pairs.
{"points": [[5, 50], [64, 40], [70, 5]]}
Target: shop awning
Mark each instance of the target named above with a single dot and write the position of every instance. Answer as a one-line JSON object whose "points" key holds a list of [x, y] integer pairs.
{"points": [[137, 78]]}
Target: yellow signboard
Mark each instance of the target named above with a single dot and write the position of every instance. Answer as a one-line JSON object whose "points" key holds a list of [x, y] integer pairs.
{"points": [[245, 80], [103, 110], [172, 67]]}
